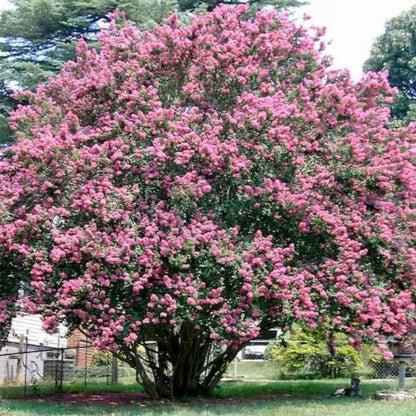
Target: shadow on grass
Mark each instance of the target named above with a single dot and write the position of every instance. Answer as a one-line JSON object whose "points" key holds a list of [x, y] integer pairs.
{"points": [[252, 406], [230, 399]]}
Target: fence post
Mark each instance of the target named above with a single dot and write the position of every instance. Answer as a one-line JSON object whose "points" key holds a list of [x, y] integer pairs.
{"points": [[402, 375], [85, 363], [56, 362], [61, 380], [107, 373], [114, 370], [26, 354]]}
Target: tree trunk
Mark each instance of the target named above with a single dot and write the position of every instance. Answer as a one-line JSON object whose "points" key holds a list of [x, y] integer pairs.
{"points": [[178, 363]]}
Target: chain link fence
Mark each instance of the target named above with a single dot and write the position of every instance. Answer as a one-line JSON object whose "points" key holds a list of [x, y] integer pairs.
{"points": [[268, 370], [82, 364], [255, 363]]}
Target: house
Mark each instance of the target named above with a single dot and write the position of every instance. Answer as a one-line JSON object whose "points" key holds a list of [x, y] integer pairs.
{"points": [[28, 347]]}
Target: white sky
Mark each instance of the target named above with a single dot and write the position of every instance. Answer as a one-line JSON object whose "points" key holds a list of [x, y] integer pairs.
{"points": [[352, 25]]}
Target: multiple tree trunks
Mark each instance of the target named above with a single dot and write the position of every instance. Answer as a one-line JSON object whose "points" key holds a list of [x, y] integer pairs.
{"points": [[177, 363]]}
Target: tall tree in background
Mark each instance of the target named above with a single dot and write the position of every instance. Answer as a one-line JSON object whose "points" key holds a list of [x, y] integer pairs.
{"points": [[37, 36], [254, 4], [395, 51], [6, 104]]}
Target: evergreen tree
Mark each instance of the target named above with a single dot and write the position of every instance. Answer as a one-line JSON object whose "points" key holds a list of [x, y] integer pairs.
{"points": [[254, 4]]}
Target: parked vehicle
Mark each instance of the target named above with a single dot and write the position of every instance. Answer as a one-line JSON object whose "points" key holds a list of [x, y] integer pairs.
{"points": [[255, 349]]}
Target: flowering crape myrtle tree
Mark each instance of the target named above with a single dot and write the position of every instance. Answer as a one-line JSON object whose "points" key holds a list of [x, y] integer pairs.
{"points": [[193, 186]]}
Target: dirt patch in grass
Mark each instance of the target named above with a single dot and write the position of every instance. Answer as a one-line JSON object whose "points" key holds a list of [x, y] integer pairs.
{"points": [[115, 399], [123, 399]]}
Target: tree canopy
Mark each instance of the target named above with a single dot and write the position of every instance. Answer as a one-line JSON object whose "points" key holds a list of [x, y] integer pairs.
{"points": [[395, 51], [254, 4], [38, 36], [196, 185]]}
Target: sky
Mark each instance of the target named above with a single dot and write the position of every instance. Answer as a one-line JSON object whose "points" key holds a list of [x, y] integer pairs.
{"points": [[352, 26]]}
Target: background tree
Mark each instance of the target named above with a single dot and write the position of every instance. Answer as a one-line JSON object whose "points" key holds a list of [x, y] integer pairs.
{"points": [[395, 51], [197, 185], [6, 105], [281, 5], [38, 36], [310, 351]]}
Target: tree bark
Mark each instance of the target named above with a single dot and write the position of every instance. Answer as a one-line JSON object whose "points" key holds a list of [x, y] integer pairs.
{"points": [[184, 363]]}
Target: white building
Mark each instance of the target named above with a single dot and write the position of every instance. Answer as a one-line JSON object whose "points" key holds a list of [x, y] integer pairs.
{"points": [[22, 358]]}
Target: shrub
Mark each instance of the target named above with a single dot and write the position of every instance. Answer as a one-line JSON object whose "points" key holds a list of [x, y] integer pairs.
{"points": [[309, 352]]}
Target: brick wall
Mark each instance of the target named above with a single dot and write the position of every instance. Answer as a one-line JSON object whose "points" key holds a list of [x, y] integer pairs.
{"points": [[84, 348]]}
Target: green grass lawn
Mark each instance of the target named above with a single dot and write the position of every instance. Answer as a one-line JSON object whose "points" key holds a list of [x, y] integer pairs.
{"points": [[297, 398], [38, 390], [254, 370], [284, 407]]}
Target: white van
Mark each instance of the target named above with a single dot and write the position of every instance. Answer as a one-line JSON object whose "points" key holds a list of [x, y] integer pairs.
{"points": [[256, 348]]}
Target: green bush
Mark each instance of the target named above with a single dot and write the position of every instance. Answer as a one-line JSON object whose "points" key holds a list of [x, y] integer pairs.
{"points": [[101, 358], [307, 352]]}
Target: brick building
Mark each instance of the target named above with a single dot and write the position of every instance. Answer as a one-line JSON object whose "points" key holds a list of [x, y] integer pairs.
{"points": [[84, 348]]}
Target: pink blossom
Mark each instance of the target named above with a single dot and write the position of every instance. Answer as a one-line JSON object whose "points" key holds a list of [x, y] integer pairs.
{"points": [[190, 301], [186, 175]]}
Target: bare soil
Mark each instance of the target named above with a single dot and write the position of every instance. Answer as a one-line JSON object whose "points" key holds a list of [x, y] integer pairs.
{"points": [[142, 399], [115, 399]]}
